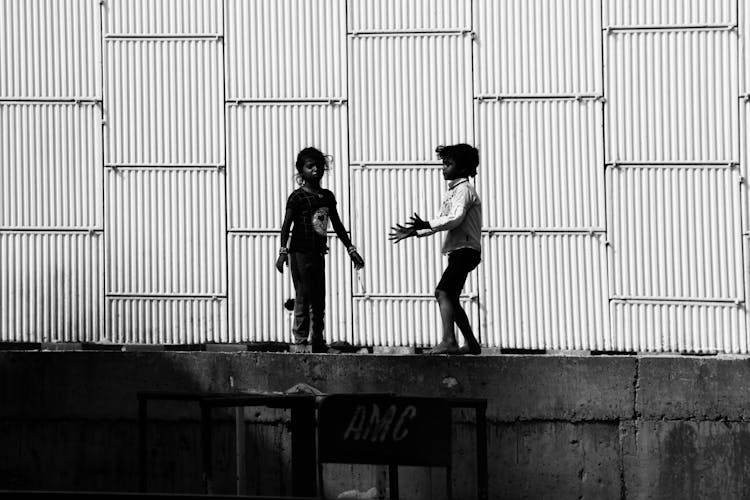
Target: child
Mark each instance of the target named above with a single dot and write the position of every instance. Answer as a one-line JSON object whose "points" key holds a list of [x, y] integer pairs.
{"points": [[308, 210], [460, 215]]}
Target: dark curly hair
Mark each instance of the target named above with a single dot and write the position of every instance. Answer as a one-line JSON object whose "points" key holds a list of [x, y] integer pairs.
{"points": [[466, 157]]}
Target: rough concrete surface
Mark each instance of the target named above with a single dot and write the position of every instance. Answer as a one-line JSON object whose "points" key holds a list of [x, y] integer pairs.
{"points": [[559, 426], [517, 387], [689, 459], [678, 387]]}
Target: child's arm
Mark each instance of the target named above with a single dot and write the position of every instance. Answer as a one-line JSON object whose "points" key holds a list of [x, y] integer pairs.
{"points": [[447, 220], [283, 251], [338, 226]]}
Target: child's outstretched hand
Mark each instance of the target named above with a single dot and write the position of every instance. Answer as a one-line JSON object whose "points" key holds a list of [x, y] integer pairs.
{"points": [[283, 259], [416, 222], [399, 232]]}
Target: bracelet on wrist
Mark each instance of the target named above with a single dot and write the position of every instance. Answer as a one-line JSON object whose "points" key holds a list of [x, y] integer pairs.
{"points": [[351, 249], [283, 251]]}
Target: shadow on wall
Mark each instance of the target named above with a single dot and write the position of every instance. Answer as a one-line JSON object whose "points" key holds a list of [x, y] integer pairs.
{"points": [[73, 426]]}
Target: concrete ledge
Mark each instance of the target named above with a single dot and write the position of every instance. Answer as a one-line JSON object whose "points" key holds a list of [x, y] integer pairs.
{"points": [[98, 385], [682, 387]]}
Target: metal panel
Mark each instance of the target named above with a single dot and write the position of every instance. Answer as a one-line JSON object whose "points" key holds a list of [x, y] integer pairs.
{"points": [[545, 291], [285, 49], [669, 12], [388, 195], [258, 291], [162, 17], [541, 164], [537, 47], [50, 49], [414, 15], [50, 166], [679, 327], [50, 287], [675, 233], [743, 31], [400, 114], [189, 320], [262, 147], [165, 231], [412, 322], [164, 102], [744, 133], [672, 96]]}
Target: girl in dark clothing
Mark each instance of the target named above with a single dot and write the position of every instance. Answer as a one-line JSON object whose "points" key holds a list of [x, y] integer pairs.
{"points": [[308, 212]]}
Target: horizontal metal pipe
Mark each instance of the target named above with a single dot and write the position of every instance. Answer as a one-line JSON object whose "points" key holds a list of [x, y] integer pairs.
{"points": [[143, 36], [707, 164], [676, 27], [164, 165], [165, 296], [417, 32], [545, 230], [279, 100], [51, 100], [72, 230], [675, 300], [540, 97]]}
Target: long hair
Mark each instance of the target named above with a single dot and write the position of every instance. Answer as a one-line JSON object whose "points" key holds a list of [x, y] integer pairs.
{"points": [[310, 153]]}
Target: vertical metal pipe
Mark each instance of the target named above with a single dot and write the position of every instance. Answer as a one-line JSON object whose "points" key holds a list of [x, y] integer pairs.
{"points": [[393, 481], [239, 427], [206, 448], [142, 453]]}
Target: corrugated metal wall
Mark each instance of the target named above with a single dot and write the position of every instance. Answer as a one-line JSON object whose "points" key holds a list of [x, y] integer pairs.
{"points": [[148, 149]]}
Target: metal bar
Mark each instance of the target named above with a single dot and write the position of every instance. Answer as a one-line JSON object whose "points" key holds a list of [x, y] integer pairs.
{"points": [[180, 37], [303, 447], [116, 166], [395, 164], [206, 448], [449, 466], [282, 100], [37, 229], [482, 469], [425, 296], [241, 452], [422, 32], [51, 100], [675, 27], [269, 231], [677, 300], [545, 230], [393, 481], [707, 164], [142, 453], [166, 295], [524, 97]]}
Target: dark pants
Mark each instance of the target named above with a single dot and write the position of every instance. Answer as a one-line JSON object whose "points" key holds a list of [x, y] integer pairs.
{"points": [[309, 278]]}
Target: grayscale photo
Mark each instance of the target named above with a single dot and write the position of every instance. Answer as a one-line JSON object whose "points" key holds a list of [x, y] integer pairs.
{"points": [[375, 249]]}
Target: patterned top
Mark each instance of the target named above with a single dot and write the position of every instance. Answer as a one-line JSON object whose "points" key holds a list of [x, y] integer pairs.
{"points": [[460, 215], [310, 222]]}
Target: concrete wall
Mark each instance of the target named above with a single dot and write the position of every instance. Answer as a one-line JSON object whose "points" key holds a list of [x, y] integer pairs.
{"points": [[559, 426]]}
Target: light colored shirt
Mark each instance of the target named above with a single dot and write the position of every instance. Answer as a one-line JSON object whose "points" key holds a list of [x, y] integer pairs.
{"points": [[460, 215]]}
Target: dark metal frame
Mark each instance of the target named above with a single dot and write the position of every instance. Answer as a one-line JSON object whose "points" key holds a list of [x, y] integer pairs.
{"points": [[305, 461], [302, 408]]}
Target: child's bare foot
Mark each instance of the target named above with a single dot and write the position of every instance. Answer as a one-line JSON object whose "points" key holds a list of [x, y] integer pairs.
{"points": [[473, 349], [444, 348]]}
